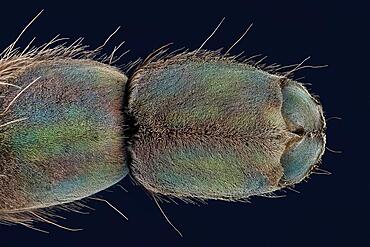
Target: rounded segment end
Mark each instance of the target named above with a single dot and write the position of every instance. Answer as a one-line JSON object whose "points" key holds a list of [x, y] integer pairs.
{"points": [[300, 158], [304, 118], [300, 110]]}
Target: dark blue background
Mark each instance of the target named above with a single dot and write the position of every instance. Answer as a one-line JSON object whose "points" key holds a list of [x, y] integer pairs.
{"points": [[328, 211]]}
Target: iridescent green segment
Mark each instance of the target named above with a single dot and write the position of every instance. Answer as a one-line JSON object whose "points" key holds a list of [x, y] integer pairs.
{"points": [[210, 127], [205, 169], [198, 93], [70, 143]]}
